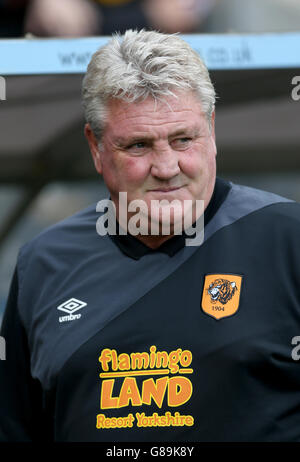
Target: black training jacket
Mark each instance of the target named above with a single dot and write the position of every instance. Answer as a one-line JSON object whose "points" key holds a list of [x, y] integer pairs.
{"points": [[108, 340]]}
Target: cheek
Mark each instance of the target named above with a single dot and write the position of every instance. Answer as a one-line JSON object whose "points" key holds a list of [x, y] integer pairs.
{"points": [[133, 169], [199, 161], [192, 164], [125, 173], [189, 166]]}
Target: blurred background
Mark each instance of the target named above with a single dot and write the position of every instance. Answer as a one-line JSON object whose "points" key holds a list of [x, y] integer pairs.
{"points": [[65, 18], [46, 170]]}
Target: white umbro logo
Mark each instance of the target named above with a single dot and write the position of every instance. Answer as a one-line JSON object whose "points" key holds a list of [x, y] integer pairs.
{"points": [[70, 306]]}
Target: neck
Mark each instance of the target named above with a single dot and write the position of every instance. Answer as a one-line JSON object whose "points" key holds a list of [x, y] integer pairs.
{"points": [[153, 241]]}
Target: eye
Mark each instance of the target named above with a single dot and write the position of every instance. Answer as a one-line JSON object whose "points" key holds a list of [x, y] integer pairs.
{"points": [[138, 145], [181, 143], [184, 140], [137, 148]]}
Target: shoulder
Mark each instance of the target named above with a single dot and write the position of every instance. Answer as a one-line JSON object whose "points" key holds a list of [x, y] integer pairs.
{"points": [[67, 237], [69, 226], [251, 195], [265, 205], [253, 209]]}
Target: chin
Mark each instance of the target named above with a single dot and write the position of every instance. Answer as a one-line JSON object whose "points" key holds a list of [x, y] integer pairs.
{"points": [[167, 218]]}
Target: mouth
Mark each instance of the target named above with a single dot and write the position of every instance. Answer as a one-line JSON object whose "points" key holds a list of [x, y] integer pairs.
{"points": [[166, 190]]}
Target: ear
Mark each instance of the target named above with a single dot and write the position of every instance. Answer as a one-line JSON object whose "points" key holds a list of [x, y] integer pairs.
{"points": [[93, 144], [212, 123], [212, 130]]}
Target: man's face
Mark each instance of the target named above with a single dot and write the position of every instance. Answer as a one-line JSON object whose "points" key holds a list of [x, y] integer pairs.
{"points": [[157, 150]]}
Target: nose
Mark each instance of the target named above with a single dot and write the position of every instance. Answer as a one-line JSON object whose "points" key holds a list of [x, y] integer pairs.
{"points": [[165, 164]]}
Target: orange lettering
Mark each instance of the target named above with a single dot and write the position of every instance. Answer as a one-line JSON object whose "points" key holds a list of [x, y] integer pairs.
{"points": [[154, 390], [179, 391], [129, 392], [124, 362], [107, 401]]}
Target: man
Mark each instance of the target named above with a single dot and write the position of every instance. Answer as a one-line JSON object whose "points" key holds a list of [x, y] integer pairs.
{"points": [[124, 337]]}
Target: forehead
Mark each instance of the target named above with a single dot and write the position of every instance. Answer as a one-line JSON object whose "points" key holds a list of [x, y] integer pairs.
{"points": [[144, 117]]}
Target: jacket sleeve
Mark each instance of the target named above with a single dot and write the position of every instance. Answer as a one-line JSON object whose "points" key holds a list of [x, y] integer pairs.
{"points": [[21, 397]]}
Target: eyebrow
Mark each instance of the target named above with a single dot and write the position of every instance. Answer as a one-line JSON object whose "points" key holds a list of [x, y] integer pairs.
{"points": [[185, 131], [123, 141]]}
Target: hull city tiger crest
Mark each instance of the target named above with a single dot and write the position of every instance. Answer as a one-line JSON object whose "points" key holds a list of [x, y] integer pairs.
{"points": [[221, 295]]}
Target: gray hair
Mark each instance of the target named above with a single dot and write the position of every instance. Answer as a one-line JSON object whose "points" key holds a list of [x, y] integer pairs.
{"points": [[140, 64]]}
